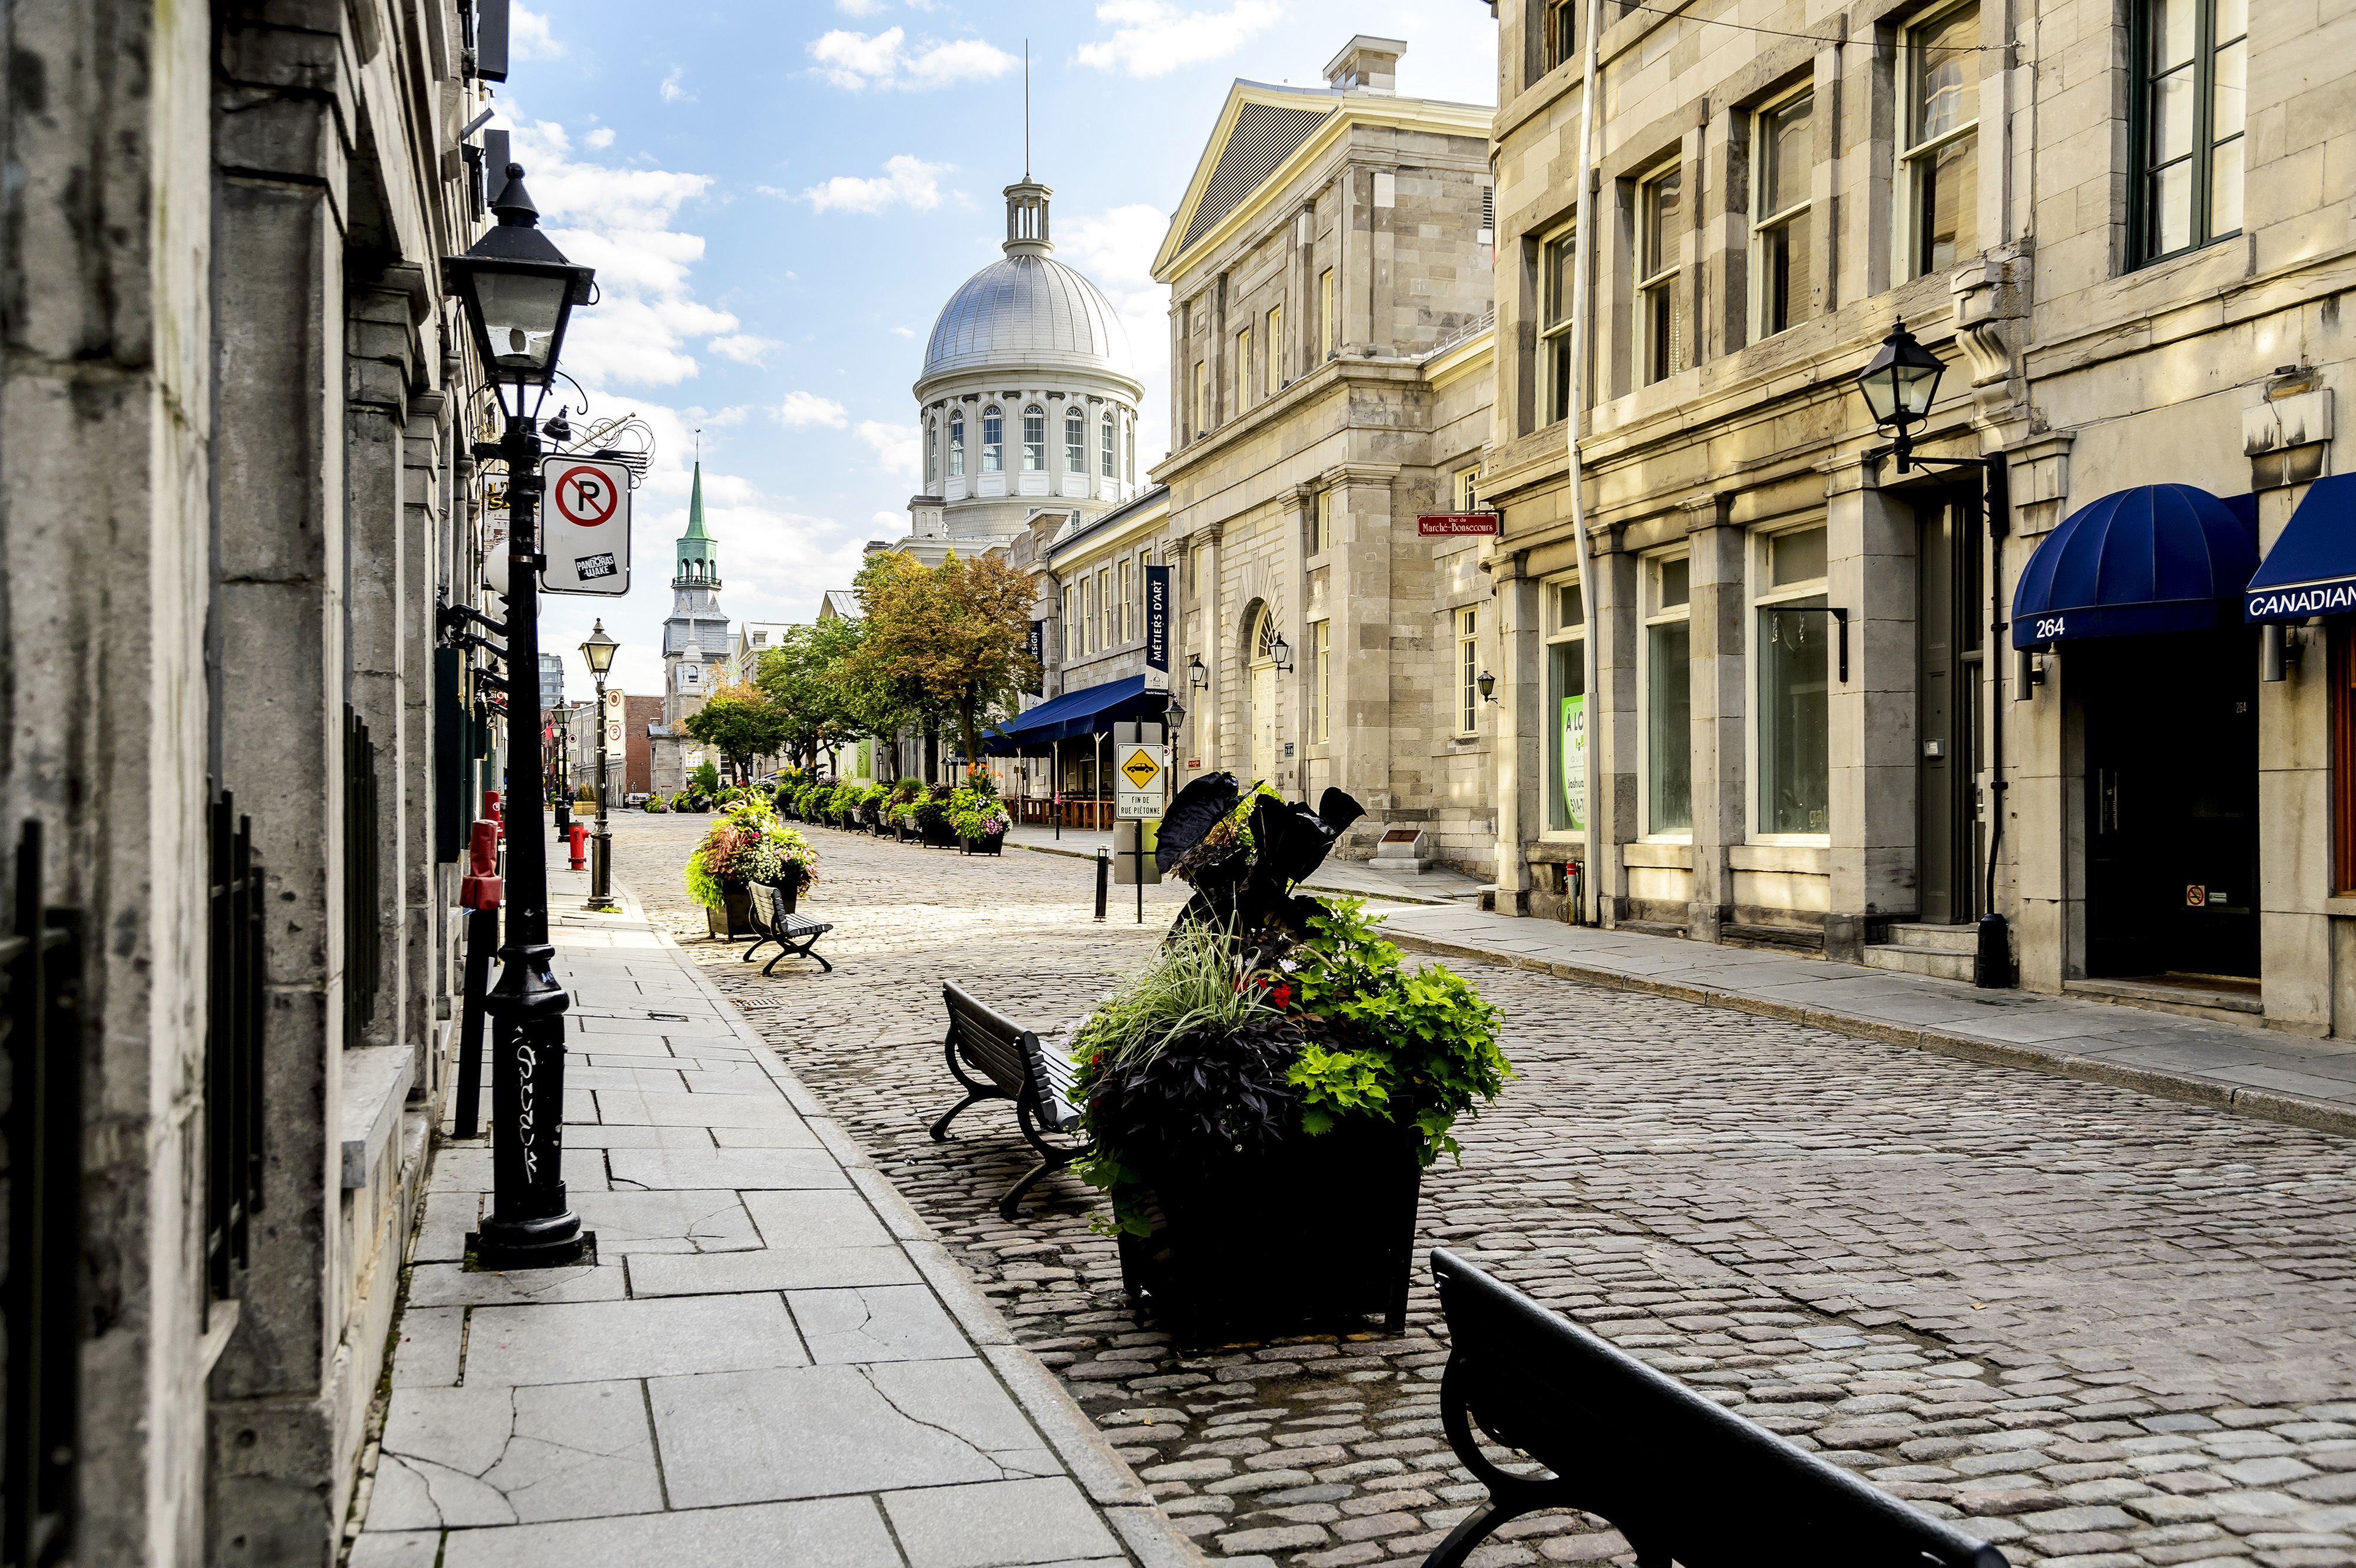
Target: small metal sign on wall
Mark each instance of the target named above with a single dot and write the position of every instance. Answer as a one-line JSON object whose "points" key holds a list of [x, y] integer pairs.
{"points": [[1455, 524]]}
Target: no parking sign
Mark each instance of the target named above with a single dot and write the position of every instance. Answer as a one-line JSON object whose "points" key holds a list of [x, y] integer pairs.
{"points": [[585, 526]]}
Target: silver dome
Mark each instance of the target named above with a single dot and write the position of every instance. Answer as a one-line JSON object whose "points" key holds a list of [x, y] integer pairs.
{"points": [[1028, 310]]}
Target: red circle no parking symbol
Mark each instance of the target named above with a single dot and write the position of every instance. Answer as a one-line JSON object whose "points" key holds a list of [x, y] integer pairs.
{"points": [[586, 496]]}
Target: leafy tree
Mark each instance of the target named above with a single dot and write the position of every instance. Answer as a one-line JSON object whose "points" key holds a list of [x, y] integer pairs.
{"points": [[948, 642], [809, 685], [738, 723]]}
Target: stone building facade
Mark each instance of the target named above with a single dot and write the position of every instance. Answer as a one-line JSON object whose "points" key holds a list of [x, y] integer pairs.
{"points": [[1329, 276], [1773, 192]]}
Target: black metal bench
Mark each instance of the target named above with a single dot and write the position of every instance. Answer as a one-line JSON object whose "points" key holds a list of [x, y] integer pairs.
{"points": [[795, 935], [1680, 1477], [1011, 1065]]}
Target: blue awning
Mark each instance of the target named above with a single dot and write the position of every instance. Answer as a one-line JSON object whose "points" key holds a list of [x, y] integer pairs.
{"points": [[2157, 558], [1075, 716], [2311, 570]]}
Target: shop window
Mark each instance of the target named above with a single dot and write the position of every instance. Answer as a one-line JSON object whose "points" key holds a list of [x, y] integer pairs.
{"points": [[1939, 167], [1274, 349], [993, 440], [1557, 257], [1667, 674], [1565, 708], [1782, 167], [1468, 669], [1075, 442], [1660, 303], [1793, 642], [2192, 63]]}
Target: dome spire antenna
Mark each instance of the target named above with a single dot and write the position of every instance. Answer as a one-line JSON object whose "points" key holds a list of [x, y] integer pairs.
{"points": [[1026, 110]]}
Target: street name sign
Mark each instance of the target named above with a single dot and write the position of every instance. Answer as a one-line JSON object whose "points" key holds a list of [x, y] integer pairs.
{"points": [[585, 526], [1452, 525]]}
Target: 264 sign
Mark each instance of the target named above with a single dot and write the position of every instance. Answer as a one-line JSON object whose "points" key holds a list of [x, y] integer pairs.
{"points": [[584, 526]]}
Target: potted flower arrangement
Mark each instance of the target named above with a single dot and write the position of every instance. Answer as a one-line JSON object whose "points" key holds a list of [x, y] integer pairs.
{"points": [[978, 819], [841, 802], [931, 817], [1275, 1052], [899, 809], [747, 846]]}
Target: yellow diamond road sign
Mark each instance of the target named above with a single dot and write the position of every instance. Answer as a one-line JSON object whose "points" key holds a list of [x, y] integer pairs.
{"points": [[1141, 768]]}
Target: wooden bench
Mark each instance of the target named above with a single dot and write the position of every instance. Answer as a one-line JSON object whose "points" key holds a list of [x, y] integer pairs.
{"points": [[995, 1058], [1680, 1475], [795, 935]]}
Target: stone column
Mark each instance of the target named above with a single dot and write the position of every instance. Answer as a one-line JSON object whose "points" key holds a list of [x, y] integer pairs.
{"points": [[1871, 572], [1718, 616], [2295, 818], [1615, 730], [1521, 727], [1360, 581], [1210, 742]]}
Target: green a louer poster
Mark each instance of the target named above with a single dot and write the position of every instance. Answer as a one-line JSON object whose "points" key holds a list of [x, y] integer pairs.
{"points": [[1574, 762]]}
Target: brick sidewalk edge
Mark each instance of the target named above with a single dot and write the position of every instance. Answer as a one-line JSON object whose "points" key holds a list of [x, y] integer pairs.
{"points": [[1103, 1474], [2297, 1110]]}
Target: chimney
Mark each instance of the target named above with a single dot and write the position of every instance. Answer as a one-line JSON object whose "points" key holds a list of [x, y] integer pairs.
{"points": [[1367, 65]]}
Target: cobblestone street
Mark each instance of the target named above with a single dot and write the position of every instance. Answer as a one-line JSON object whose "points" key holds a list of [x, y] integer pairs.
{"points": [[2115, 1330]]}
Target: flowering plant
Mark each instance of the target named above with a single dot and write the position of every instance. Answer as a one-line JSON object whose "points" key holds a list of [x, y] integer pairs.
{"points": [[748, 844], [978, 814]]}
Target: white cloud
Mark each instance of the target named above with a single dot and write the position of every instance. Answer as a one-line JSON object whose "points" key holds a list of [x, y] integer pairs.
{"points": [[903, 332], [859, 7], [671, 89], [856, 60], [894, 445], [1116, 249], [802, 409], [1153, 37], [529, 37], [621, 221], [892, 521], [741, 347], [905, 181], [601, 138]]}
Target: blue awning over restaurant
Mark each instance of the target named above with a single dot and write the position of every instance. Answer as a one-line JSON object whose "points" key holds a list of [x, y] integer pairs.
{"points": [[1075, 716], [2157, 558], [2311, 570]]}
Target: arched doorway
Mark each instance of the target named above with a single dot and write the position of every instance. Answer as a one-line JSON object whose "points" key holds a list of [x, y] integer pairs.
{"points": [[1260, 690]]}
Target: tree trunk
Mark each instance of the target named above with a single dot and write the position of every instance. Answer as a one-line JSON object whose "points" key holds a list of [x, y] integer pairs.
{"points": [[932, 755]]}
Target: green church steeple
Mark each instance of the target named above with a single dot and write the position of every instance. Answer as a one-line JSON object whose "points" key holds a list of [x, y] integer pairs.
{"points": [[698, 557]]}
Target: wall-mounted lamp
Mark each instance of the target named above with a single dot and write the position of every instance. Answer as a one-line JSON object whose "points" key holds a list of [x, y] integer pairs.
{"points": [[1488, 685], [2027, 673], [1280, 653], [1198, 674], [2279, 650]]}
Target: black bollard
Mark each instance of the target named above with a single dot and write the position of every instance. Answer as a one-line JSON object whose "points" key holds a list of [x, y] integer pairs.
{"points": [[482, 939], [1103, 879]]}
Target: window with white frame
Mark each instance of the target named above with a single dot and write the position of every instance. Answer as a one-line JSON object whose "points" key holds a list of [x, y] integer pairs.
{"points": [[1128, 590], [1129, 438], [1239, 384], [1565, 719], [1071, 624], [993, 440], [1326, 327], [1939, 167], [2192, 69], [1462, 489], [1792, 769], [1668, 675], [1088, 643], [1557, 257], [1035, 440], [932, 450], [1104, 606], [1660, 302], [1321, 523], [1075, 442], [1105, 437], [1468, 669], [956, 443], [1201, 404], [1321, 668], [1781, 170], [1273, 347]]}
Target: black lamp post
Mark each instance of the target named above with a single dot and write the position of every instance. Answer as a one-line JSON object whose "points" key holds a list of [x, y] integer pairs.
{"points": [[1899, 383], [599, 652], [517, 293], [1279, 653]]}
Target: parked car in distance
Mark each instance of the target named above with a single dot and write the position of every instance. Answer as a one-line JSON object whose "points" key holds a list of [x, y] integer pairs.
{"points": [[635, 799]]}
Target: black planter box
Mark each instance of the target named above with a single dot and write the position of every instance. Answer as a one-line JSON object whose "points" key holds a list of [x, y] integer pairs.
{"points": [[941, 836], [989, 845], [1311, 1238], [735, 920]]}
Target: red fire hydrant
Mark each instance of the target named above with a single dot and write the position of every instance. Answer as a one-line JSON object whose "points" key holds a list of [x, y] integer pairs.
{"points": [[479, 889], [580, 854]]}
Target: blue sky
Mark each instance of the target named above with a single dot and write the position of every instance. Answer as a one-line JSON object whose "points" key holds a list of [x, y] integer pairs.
{"points": [[779, 197]]}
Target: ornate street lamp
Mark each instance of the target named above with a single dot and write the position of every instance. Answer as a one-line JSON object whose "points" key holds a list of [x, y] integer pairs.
{"points": [[1198, 674], [1488, 685], [1280, 652], [1900, 384], [598, 649], [517, 293]]}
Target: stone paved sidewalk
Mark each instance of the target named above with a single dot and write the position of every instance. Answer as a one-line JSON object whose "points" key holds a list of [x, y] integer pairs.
{"points": [[772, 1362]]}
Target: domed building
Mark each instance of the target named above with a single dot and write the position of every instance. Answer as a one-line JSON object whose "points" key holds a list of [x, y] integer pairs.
{"points": [[1028, 400]]}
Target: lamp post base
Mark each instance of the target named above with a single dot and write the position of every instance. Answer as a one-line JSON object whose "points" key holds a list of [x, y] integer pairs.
{"points": [[552, 1243]]}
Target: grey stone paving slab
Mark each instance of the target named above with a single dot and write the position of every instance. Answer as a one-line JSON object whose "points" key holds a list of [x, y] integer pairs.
{"points": [[995, 1523], [597, 1135], [816, 1219], [661, 1080], [802, 1165], [466, 1167], [450, 1284], [734, 1437], [784, 1268], [509, 1456], [425, 1354], [595, 1341], [396, 1549], [834, 1532], [670, 1220], [442, 1235], [778, 1137], [633, 1108], [881, 1323]]}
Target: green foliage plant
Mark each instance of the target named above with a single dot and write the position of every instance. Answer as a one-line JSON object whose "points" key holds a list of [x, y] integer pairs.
{"points": [[978, 814]]}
